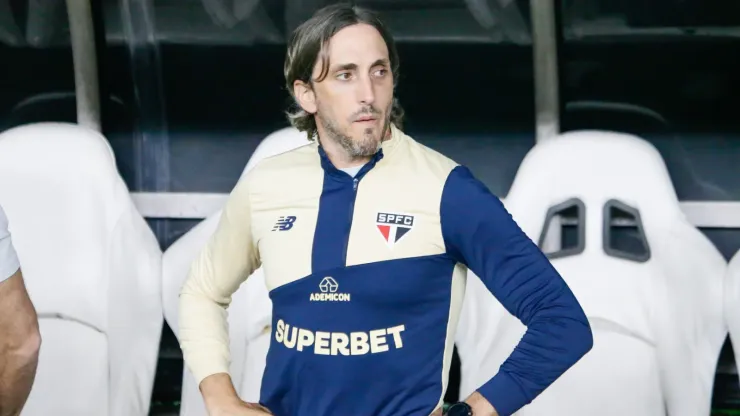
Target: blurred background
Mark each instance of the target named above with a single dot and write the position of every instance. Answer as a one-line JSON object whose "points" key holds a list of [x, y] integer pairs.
{"points": [[189, 88]]}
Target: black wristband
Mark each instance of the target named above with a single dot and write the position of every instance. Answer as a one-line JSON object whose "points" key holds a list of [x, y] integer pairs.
{"points": [[460, 409]]}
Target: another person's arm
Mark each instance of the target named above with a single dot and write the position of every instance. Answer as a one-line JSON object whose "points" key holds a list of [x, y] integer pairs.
{"points": [[480, 232], [19, 331], [222, 266]]}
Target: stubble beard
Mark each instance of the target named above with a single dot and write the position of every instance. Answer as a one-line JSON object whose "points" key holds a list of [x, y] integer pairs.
{"points": [[366, 146]]}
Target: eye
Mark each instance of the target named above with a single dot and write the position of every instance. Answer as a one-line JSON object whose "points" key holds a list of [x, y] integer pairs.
{"points": [[344, 76], [380, 72]]}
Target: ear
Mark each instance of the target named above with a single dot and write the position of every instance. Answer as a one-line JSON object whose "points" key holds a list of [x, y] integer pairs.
{"points": [[305, 96]]}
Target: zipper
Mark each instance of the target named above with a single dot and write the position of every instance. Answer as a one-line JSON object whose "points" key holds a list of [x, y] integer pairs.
{"points": [[355, 182]]}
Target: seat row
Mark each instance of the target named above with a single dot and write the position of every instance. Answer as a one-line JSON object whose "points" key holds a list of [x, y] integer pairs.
{"points": [[660, 298]]}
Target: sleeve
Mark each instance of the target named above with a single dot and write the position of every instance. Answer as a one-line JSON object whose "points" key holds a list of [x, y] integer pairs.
{"points": [[480, 233], [229, 257], [9, 263]]}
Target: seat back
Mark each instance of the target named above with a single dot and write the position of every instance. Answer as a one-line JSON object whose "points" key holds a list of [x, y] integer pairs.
{"points": [[624, 302], [732, 304], [92, 267], [647, 300], [250, 311], [619, 299]]}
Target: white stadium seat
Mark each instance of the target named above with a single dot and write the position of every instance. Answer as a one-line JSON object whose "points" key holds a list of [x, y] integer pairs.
{"points": [[656, 315], [732, 305], [92, 267], [477, 335], [250, 312]]}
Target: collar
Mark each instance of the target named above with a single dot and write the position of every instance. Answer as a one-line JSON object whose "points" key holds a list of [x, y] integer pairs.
{"points": [[397, 136]]}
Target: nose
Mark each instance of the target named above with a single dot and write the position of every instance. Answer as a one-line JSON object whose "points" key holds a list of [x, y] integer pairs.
{"points": [[366, 90]]}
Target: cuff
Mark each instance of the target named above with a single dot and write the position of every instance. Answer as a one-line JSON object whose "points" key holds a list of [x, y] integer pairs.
{"points": [[204, 366], [504, 394]]}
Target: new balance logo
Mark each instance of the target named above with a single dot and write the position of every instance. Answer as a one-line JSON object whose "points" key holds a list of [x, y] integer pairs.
{"points": [[284, 223], [393, 226]]}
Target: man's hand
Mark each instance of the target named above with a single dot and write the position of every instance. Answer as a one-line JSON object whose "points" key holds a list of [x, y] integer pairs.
{"points": [[221, 398], [241, 408], [481, 406]]}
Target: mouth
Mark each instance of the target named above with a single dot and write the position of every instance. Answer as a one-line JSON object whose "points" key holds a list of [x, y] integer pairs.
{"points": [[365, 119]]}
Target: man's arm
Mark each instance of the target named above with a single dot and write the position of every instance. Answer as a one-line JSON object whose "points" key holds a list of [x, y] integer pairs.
{"points": [[19, 344], [19, 330], [480, 233], [222, 266]]}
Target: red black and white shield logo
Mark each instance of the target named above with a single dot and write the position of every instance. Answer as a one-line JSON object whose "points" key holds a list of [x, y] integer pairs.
{"points": [[393, 226]]}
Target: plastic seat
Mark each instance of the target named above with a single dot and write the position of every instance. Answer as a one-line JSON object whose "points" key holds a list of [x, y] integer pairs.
{"points": [[92, 267], [732, 304], [656, 312], [250, 312]]}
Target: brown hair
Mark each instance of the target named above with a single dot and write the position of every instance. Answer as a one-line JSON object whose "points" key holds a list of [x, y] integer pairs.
{"points": [[308, 43]]}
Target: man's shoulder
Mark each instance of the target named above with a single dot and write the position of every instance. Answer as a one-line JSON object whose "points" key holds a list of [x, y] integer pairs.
{"points": [[292, 169], [455, 178], [299, 156], [435, 163], [284, 164]]}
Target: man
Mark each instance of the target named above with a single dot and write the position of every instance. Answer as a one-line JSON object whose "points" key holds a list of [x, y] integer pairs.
{"points": [[364, 237], [19, 331]]}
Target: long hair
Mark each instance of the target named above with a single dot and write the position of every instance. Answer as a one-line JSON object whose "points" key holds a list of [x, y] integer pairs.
{"points": [[308, 44]]}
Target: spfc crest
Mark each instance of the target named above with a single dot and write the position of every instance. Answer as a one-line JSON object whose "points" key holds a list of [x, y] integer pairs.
{"points": [[394, 226]]}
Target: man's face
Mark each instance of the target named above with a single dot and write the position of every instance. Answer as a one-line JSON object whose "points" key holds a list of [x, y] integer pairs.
{"points": [[353, 102]]}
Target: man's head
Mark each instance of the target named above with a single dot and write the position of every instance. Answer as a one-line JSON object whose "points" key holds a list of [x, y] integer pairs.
{"points": [[341, 68]]}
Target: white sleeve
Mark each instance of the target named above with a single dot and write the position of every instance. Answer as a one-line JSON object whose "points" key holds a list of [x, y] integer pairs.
{"points": [[8, 259]]}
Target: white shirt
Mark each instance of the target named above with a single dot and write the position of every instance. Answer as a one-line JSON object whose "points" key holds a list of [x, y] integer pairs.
{"points": [[8, 259], [353, 171]]}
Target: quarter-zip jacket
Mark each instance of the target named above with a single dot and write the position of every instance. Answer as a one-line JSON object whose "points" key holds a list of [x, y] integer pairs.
{"points": [[367, 278]]}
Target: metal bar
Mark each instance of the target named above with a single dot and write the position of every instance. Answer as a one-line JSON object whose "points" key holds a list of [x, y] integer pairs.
{"points": [[178, 205], [82, 35], [544, 45], [706, 214], [714, 214]]}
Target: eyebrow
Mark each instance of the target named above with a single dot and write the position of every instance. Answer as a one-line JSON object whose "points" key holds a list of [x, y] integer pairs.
{"points": [[344, 67], [352, 67]]}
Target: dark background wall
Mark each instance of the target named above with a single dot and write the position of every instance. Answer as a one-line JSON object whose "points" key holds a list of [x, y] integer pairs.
{"points": [[186, 117]]}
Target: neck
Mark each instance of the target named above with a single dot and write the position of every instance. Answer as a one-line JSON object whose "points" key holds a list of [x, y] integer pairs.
{"points": [[339, 156]]}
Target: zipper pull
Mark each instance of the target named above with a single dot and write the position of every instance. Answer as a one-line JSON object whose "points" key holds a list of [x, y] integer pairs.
{"points": [[354, 184]]}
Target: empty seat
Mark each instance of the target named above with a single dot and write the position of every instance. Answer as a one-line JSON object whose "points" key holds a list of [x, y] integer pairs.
{"points": [[602, 206], [250, 311], [61, 107], [732, 305], [477, 335], [92, 267]]}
